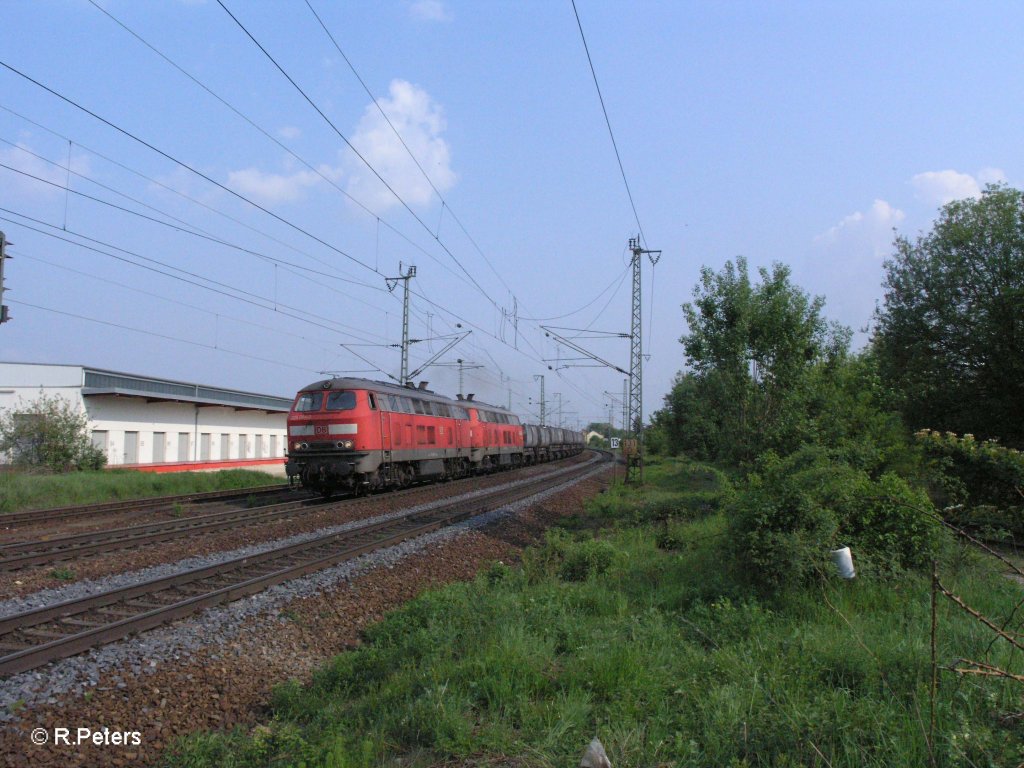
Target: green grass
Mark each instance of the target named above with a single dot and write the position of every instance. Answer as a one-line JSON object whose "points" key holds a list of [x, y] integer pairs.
{"points": [[20, 492], [659, 651]]}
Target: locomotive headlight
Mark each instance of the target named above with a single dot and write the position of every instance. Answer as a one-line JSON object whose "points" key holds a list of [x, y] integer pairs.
{"points": [[345, 445], [300, 446]]}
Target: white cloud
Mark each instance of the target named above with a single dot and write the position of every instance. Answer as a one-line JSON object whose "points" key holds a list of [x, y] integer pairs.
{"points": [[22, 157], [289, 132], [420, 121], [991, 176], [864, 232], [271, 187], [941, 187], [430, 10]]}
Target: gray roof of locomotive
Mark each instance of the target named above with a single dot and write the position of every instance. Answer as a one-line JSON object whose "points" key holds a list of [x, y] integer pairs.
{"points": [[391, 388]]}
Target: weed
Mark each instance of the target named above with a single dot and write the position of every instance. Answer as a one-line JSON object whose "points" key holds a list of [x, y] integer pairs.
{"points": [[586, 559], [62, 574]]}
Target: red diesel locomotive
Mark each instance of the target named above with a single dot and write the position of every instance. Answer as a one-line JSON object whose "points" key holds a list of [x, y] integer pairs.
{"points": [[357, 435]]}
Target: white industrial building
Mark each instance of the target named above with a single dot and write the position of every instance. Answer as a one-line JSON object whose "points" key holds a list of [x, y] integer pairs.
{"points": [[158, 424]]}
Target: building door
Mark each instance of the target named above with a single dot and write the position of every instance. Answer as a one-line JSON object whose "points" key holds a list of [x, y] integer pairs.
{"points": [[183, 446], [159, 447], [99, 440], [131, 447], [204, 446], [273, 445], [243, 446], [225, 447], [258, 444]]}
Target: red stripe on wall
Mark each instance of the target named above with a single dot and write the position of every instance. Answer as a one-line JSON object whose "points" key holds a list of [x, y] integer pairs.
{"points": [[196, 466]]}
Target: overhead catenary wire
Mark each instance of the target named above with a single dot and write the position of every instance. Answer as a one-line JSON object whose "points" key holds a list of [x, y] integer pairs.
{"points": [[267, 134], [617, 279], [357, 153], [162, 336], [608, 121], [398, 197], [444, 203], [217, 211], [185, 227], [187, 167], [215, 286], [178, 302]]}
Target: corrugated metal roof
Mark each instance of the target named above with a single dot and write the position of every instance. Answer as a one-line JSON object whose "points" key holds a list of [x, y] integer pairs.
{"points": [[100, 382]]}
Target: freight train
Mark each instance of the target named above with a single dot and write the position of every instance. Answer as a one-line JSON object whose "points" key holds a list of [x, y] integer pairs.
{"points": [[356, 435]]}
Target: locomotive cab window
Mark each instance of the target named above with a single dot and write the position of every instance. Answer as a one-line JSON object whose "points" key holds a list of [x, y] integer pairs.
{"points": [[309, 401], [373, 401], [341, 400]]}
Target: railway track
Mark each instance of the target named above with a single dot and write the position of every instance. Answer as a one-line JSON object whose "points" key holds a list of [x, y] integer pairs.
{"points": [[25, 554], [33, 638], [49, 551], [54, 514]]}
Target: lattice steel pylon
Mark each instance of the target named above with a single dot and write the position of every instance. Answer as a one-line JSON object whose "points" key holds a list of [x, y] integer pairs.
{"points": [[543, 402], [635, 422], [4, 317], [391, 283]]}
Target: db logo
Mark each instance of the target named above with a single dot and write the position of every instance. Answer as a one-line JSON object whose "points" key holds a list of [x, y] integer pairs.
{"points": [[320, 429]]}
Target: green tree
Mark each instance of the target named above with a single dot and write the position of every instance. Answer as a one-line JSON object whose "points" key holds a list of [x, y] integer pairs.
{"points": [[686, 423], [950, 334], [48, 433], [751, 348]]}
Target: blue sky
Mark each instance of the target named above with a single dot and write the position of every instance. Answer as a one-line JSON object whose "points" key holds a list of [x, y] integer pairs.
{"points": [[795, 132]]}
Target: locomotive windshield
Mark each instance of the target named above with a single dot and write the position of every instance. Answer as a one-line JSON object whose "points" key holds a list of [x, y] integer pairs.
{"points": [[341, 400], [309, 401]]}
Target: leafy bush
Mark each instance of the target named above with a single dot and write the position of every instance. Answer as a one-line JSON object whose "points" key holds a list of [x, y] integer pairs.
{"points": [[981, 483], [796, 509], [49, 433], [978, 472], [779, 525]]}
